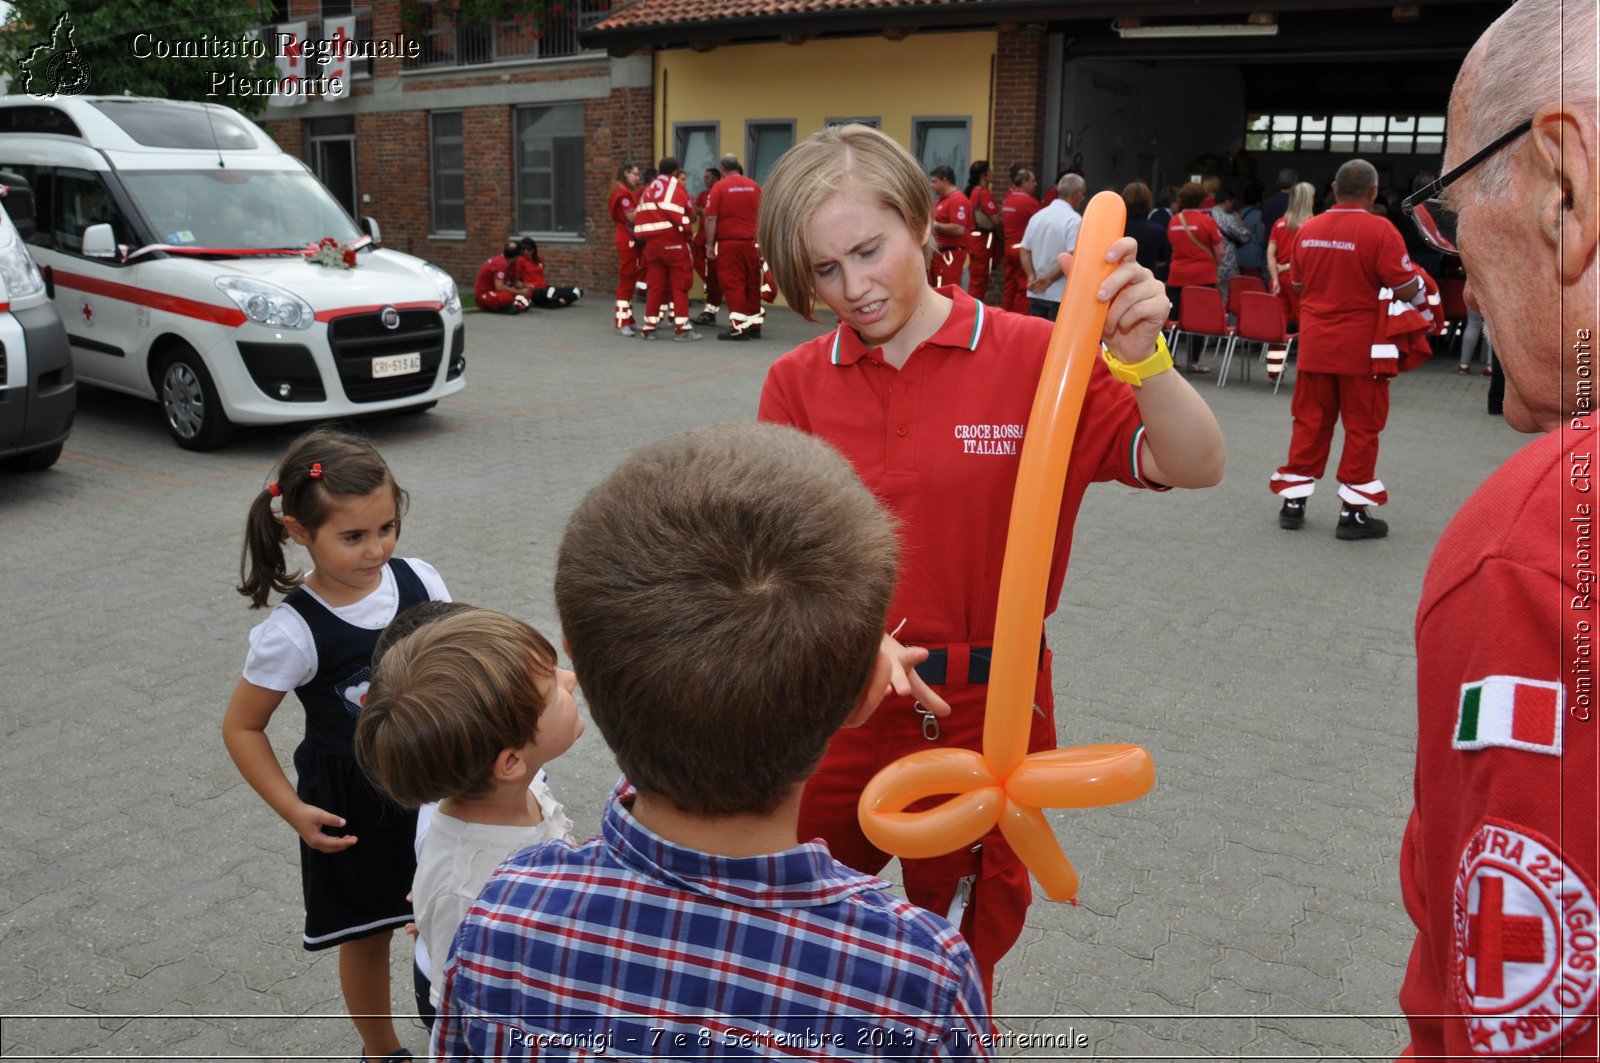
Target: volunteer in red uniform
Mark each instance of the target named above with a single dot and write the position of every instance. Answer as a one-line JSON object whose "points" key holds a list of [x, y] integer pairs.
{"points": [[1343, 260], [499, 286], [952, 213], [1280, 249], [1020, 205], [662, 222], [731, 242], [1498, 867], [543, 294], [706, 271], [624, 198], [985, 234], [1197, 249], [927, 392]]}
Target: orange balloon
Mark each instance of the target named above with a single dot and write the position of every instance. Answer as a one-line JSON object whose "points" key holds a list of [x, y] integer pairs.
{"points": [[1004, 785]]}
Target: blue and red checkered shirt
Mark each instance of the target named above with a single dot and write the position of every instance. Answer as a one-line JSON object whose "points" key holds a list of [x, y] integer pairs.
{"points": [[631, 947]]}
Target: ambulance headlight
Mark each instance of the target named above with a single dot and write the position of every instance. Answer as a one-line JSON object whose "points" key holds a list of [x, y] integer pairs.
{"points": [[267, 304], [448, 295], [17, 270]]}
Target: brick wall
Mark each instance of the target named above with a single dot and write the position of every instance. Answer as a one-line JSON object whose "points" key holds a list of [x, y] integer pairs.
{"points": [[392, 155], [1019, 100]]}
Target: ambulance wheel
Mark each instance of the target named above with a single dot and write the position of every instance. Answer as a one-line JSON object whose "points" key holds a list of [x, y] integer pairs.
{"points": [[190, 401]]}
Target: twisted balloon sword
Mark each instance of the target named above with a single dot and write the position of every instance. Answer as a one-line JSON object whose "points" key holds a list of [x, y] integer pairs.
{"points": [[1004, 784]]}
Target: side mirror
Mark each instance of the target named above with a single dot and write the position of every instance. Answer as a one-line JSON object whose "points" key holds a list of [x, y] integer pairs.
{"points": [[99, 242], [370, 227]]}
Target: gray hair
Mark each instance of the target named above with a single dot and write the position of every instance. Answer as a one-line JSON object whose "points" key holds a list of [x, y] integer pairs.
{"points": [[1355, 179], [1069, 184], [1538, 52]]}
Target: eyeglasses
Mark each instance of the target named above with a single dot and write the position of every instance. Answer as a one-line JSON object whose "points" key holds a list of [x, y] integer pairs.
{"points": [[1434, 219]]}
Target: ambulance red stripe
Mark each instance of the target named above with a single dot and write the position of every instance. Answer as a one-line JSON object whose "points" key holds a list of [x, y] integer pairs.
{"points": [[329, 315], [172, 304]]}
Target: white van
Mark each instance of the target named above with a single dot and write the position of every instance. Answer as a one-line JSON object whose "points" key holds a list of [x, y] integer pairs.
{"points": [[173, 238], [38, 396]]}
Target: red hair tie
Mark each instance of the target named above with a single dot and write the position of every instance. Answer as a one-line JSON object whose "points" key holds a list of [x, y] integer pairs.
{"points": [[316, 470], [272, 489]]}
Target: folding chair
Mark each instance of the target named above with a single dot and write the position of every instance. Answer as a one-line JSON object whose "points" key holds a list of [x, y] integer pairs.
{"points": [[1237, 287], [1260, 321], [1200, 313]]}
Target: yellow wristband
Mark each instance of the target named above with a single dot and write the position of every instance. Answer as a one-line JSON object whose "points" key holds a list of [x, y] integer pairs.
{"points": [[1138, 372]]}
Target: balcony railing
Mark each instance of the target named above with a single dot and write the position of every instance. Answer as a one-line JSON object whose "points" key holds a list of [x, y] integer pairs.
{"points": [[554, 33]]}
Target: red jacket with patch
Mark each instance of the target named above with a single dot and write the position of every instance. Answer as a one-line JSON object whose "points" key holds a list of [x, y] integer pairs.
{"points": [[1497, 867]]}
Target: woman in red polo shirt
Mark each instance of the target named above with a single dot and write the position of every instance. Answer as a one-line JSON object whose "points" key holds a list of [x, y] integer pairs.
{"points": [[928, 393], [1197, 248], [1280, 248]]}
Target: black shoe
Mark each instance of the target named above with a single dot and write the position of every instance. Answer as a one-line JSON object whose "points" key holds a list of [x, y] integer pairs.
{"points": [[754, 332], [1355, 524], [733, 337], [1293, 514], [706, 317]]}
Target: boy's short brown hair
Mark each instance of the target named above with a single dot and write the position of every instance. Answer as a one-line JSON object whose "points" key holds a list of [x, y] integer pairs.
{"points": [[810, 173], [447, 699], [723, 596]]}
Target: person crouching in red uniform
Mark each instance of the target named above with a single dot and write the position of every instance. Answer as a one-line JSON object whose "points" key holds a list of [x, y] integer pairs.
{"points": [[499, 286], [530, 268]]}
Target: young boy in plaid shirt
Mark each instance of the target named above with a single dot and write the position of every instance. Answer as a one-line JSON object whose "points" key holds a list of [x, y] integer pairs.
{"points": [[723, 596]]}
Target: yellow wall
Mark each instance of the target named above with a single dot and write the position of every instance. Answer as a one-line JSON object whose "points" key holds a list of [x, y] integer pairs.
{"points": [[925, 75]]}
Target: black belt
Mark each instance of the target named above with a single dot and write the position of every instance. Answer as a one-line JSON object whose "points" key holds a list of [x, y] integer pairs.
{"points": [[935, 671]]}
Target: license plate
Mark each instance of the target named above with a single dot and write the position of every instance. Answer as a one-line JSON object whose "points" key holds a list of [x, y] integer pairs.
{"points": [[396, 365]]}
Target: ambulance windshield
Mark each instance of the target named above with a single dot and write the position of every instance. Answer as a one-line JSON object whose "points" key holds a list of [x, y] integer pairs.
{"points": [[239, 209]]}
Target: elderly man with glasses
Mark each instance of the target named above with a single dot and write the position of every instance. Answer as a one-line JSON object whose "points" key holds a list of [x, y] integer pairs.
{"points": [[1498, 865]]}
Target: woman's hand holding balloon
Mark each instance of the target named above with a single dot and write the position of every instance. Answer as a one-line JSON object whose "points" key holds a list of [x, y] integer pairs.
{"points": [[1139, 304]]}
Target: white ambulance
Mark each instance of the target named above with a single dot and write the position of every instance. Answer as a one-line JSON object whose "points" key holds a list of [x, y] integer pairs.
{"points": [[174, 238]]}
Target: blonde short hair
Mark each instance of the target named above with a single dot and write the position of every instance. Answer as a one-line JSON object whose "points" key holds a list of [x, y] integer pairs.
{"points": [[826, 162]]}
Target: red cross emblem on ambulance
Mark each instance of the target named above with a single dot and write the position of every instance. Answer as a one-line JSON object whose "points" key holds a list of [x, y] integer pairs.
{"points": [[1525, 942], [88, 312]]}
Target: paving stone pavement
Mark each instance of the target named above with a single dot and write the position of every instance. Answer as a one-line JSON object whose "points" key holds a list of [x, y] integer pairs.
{"points": [[1247, 908]]}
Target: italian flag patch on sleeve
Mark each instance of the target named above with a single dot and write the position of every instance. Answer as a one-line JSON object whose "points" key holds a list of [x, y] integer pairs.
{"points": [[1506, 710]]}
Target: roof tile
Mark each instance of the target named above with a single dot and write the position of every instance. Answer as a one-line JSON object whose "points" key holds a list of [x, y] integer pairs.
{"points": [[646, 14]]}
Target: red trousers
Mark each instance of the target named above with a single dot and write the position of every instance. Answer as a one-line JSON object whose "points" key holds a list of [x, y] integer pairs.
{"points": [[708, 276], [1014, 295], [946, 266], [1320, 401], [1002, 890], [627, 277], [505, 302], [978, 263], [668, 270], [739, 267]]}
